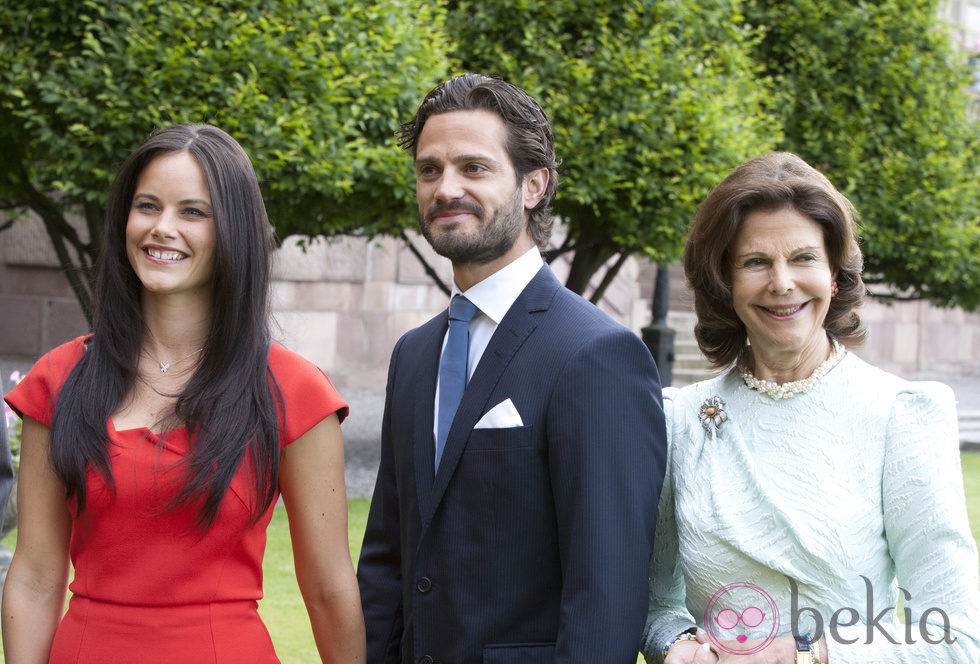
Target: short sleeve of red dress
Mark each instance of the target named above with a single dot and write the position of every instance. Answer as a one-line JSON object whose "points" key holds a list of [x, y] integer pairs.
{"points": [[308, 396], [36, 394]]}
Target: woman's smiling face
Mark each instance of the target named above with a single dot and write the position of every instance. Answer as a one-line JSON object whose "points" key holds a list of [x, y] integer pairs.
{"points": [[781, 282], [170, 234]]}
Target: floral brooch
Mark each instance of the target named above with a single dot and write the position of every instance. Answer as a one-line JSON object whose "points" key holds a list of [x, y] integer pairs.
{"points": [[712, 414]]}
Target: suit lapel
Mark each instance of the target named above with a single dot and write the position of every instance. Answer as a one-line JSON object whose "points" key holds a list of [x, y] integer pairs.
{"points": [[510, 335], [423, 442]]}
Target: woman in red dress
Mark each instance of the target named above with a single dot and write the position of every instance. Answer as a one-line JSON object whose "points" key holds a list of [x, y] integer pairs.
{"points": [[155, 449]]}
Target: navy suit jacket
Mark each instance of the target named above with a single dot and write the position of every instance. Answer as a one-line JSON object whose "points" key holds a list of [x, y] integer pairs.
{"points": [[530, 544]]}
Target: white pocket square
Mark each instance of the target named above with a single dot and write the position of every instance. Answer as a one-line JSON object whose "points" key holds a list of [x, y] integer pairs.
{"points": [[502, 416]]}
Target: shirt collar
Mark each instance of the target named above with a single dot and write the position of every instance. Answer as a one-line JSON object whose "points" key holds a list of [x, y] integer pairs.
{"points": [[495, 294]]}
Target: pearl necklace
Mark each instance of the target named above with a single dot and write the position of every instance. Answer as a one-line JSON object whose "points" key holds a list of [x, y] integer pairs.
{"points": [[778, 391]]}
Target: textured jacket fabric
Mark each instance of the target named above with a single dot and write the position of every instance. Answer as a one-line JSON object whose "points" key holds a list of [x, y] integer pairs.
{"points": [[826, 502]]}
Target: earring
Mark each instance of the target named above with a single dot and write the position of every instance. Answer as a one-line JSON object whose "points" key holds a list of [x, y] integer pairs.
{"points": [[833, 288]]}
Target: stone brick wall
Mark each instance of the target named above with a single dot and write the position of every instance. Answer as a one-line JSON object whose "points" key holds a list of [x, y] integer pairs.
{"points": [[37, 307], [343, 304], [906, 338]]}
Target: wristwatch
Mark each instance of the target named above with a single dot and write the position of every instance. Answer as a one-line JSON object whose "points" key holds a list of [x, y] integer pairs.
{"points": [[804, 650]]}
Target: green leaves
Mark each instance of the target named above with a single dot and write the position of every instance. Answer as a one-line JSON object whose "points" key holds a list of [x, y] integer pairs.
{"points": [[651, 103], [875, 95], [313, 90]]}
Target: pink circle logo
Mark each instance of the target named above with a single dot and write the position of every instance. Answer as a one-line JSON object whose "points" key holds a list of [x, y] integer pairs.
{"points": [[741, 619]]}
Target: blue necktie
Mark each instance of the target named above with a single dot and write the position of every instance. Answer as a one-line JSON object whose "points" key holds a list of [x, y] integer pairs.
{"points": [[452, 368]]}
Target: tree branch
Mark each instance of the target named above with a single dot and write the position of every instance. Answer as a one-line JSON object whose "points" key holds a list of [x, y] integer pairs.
{"points": [[608, 277], [60, 232], [94, 219], [551, 254], [436, 279], [78, 276], [894, 297]]}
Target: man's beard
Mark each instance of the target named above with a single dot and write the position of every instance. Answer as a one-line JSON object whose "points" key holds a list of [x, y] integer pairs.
{"points": [[490, 241]]}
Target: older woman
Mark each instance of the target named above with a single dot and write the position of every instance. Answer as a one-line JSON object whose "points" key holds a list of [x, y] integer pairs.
{"points": [[808, 494]]}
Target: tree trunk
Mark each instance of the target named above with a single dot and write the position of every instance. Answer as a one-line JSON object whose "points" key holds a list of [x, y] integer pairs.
{"points": [[608, 277], [79, 272], [588, 259], [429, 270]]}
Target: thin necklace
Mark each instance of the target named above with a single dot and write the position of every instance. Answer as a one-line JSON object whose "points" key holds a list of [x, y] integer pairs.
{"points": [[165, 366], [779, 391]]}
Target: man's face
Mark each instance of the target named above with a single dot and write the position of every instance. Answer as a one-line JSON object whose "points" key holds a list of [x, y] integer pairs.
{"points": [[471, 207]]}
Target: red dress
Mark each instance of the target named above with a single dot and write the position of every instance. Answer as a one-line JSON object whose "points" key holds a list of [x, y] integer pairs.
{"points": [[147, 587]]}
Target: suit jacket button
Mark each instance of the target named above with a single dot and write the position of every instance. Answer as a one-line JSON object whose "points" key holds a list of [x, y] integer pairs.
{"points": [[424, 585], [426, 659]]}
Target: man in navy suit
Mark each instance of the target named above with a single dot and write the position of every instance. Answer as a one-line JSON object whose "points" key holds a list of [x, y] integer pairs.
{"points": [[523, 532]]}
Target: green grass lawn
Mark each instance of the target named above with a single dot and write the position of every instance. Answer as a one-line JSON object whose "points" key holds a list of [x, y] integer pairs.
{"points": [[971, 483], [283, 611]]}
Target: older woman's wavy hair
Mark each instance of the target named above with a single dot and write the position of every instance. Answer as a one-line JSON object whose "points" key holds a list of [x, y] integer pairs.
{"points": [[769, 182]]}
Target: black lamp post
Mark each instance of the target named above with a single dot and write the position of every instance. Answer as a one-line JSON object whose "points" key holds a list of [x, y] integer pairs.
{"points": [[657, 336]]}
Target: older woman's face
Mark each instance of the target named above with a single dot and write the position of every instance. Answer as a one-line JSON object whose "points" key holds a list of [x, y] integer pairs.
{"points": [[781, 281]]}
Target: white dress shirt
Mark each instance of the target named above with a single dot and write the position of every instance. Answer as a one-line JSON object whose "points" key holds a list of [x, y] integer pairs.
{"points": [[494, 297]]}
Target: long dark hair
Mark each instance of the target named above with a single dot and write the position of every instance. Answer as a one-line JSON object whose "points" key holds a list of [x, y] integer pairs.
{"points": [[769, 182], [227, 405]]}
